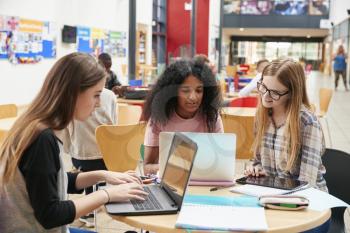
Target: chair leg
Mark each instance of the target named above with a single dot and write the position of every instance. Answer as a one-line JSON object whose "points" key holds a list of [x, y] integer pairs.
{"points": [[329, 133], [94, 188]]}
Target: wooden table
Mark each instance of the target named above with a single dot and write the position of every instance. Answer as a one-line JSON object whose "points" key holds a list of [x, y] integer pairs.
{"points": [[277, 221]]}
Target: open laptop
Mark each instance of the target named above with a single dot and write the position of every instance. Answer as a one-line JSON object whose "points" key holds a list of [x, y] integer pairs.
{"points": [[215, 159], [166, 197]]}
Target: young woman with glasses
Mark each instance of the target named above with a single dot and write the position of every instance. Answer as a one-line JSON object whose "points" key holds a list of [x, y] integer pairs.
{"points": [[289, 140]]}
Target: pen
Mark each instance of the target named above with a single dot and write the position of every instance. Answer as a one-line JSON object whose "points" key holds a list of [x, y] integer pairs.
{"points": [[219, 187]]}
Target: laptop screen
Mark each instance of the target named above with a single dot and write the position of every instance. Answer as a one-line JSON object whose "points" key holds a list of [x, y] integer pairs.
{"points": [[178, 168]]}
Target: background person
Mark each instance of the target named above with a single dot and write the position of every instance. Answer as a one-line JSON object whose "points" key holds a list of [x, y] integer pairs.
{"points": [[339, 66], [251, 86], [112, 82], [80, 143]]}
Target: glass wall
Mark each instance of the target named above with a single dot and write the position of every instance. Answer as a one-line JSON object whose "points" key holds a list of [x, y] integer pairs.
{"points": [[249, 52]]}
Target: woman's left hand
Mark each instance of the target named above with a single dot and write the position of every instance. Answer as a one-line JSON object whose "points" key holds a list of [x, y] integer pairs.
{"points": [[121, 178]]}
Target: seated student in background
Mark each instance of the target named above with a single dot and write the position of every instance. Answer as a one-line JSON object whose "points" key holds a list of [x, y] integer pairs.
{"points": [[289, 140], [80, 143], [33, 183], [112, 82], [204, 59], [251, 86], [185, 98]]}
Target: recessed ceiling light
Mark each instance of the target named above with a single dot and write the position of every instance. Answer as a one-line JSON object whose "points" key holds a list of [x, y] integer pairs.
{"points": [[308, 36], [241, 29]]}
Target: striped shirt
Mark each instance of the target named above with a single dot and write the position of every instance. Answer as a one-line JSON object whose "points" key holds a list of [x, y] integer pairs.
{"points": [[308, 166]]}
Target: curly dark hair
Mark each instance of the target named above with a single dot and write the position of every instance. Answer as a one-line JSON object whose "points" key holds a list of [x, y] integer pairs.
{"points": [[162, 100]]}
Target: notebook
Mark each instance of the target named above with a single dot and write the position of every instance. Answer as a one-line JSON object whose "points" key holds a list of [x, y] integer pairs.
{"points": [[166, 197], [221, 217], [215, 159]]}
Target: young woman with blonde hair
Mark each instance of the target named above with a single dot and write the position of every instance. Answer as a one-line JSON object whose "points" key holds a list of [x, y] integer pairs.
{"points": [[33, 184], [289, 140]]}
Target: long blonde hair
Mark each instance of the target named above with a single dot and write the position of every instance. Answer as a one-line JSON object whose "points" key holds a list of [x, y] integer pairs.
{"points": [[291, 75], [53, 107]]}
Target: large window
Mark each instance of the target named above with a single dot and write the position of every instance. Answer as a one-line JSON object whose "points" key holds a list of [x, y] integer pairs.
{"points": [[250, 52], [276, 7]]}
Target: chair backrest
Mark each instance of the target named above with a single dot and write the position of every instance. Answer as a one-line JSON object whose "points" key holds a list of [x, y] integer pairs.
{"points": [[249, 101], [129, 114], [325, 96], [231, 71], [337, 173], [8, 110], [243, 127], [120, 145]]}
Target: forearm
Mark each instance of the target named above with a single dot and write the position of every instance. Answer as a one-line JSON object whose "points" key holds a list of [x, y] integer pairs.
{"points": [[88, 203], [87, 179]]}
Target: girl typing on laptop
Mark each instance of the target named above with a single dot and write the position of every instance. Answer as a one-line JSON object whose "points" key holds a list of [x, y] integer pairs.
{"points": [[186, 98], [33, 181]]}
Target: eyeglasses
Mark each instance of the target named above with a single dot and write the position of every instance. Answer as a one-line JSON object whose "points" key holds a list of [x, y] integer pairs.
{"points": [[273, 94]]}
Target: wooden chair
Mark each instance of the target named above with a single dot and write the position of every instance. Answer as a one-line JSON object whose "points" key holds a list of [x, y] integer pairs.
{"points": [[231, 71], [325, 96], [120, 145], [243, 127], [129, 114], [8, 110]]}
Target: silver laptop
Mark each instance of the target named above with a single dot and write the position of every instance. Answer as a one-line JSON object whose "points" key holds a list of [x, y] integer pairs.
{"points": [[166, 197], [215, 159]]}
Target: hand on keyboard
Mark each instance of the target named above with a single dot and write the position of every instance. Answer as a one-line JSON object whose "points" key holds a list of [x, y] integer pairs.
{"points": [[126, 192]]}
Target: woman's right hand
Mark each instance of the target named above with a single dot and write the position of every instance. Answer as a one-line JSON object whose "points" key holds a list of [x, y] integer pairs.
{"points": [[254, 171], [126, 192]]}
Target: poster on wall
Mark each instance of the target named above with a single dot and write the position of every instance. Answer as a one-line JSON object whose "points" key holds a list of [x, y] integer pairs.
{"points": [[49, 40], [115, 44], [83, 40], [98, 37], [25, 40]]}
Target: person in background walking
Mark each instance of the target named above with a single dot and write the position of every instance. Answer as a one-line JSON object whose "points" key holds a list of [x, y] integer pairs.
{"points": [[339, 66]]}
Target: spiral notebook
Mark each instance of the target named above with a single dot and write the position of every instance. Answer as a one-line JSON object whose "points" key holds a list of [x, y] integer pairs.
{"points": [[221, 217]]}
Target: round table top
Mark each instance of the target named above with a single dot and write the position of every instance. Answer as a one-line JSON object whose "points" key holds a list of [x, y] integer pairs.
{"points": [[278, 221]]}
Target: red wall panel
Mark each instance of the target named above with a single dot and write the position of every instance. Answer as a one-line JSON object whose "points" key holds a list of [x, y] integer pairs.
{"points": [[179, 26]]}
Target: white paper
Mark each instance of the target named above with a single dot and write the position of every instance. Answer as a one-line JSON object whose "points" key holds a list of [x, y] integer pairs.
{"points": [[320, 200], [215, 217], [257, 191]]}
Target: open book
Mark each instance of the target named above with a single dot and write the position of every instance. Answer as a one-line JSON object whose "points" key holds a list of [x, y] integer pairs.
{"points": [[221, 217]]}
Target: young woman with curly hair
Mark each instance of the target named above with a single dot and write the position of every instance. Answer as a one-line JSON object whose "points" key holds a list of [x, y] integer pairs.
{"points": [[186, 98]]}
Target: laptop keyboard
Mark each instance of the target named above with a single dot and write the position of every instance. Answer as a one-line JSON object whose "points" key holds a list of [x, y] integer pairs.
{"points": [[151, 203]]}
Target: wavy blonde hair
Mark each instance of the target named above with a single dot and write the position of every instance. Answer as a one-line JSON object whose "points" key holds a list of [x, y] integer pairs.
{"points": [[53, 107], [291, 75]]}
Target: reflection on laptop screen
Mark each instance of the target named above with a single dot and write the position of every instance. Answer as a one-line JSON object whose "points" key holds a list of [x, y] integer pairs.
{"points": [[178, 168]]}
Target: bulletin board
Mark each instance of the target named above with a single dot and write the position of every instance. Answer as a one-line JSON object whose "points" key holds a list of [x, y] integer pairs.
{"points": [[96, 41], [25, 40]]}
